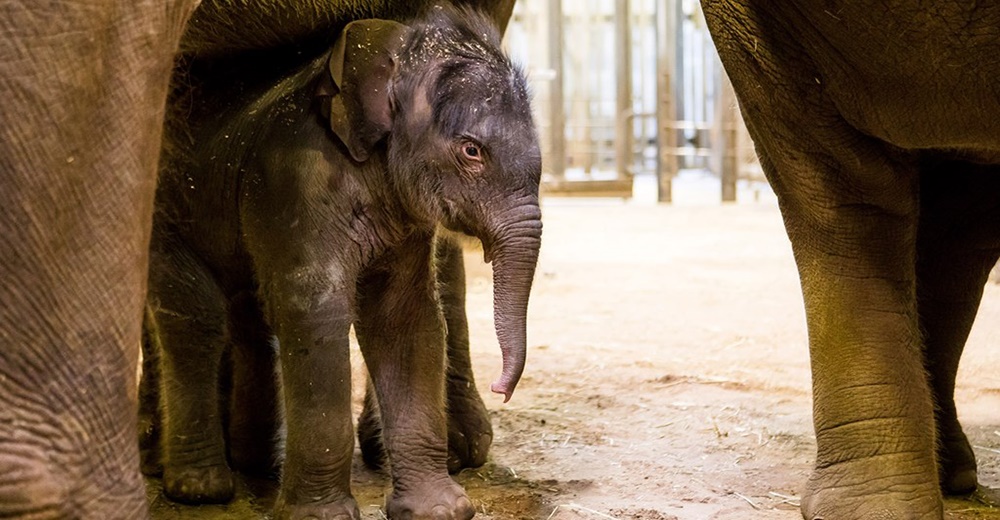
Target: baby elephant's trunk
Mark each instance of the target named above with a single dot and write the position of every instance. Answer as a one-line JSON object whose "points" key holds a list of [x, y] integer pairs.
{"points": [[514, 252]]}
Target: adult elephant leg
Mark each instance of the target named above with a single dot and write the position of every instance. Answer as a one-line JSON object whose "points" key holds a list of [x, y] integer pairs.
{"points": [[404, 352], [254, 412], [872, 408], [850, 205], [957, 247], [470, 433], [187, 312], [310, 312], [84, 86]]}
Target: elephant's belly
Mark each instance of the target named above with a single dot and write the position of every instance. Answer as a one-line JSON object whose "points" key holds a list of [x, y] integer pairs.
{"points": [[916, 75], [931, 118]]}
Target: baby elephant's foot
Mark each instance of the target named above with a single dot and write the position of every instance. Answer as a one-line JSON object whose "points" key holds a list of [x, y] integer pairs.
{"points": [[208, 485], [346, 509], [443, 501], [470, 433]]}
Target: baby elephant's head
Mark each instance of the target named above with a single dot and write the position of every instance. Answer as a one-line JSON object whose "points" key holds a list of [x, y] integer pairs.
{"points": [[454, 115]]}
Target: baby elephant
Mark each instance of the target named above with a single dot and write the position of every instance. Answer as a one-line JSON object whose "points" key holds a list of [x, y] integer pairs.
{"points": [[321, 194]]}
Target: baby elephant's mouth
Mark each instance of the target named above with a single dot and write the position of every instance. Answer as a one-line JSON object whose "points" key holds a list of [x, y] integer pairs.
{"points": [[456, 220], [453, 222]]}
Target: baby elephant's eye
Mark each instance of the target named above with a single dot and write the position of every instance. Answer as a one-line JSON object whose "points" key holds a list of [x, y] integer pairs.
{"points": [[472, 151]]}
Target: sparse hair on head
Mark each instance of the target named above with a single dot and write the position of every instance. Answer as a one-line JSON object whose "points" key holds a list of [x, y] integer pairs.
{"points": [[463, 42]]}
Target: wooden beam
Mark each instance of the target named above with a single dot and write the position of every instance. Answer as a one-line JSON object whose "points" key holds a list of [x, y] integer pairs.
{"points": [[666, 112], [617, 188], [623, 66]]}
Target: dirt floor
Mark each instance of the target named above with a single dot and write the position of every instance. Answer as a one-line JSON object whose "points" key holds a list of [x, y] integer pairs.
{"points": [[667, 377]]}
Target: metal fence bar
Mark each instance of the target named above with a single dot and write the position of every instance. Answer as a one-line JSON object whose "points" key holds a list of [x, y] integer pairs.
{"points": [[557, 109], [666, 108], [608, 112], [623, 67]]}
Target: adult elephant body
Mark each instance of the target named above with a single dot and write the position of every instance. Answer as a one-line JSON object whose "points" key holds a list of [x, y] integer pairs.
{"points": [[226, 27], [84, 85], [879, 129], [84, 89]]}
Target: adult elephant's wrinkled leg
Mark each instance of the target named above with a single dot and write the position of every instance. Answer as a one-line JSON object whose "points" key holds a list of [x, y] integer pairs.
{"points": [[872, 409], [254, 425], [957, 247], [187, 312], [470, 433], [850, 206], [404, 352], [77, 170]]}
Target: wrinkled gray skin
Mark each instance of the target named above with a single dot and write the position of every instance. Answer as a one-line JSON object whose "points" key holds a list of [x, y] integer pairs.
{"points": [[470, 433], [248, 394], [228, 27], [84, 86], [320, 192], [878, 127]]}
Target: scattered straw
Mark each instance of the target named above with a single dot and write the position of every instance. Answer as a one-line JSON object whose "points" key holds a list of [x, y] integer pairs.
{"points": [[785, 499], [747, 500], [984, 448], [578, 507]]}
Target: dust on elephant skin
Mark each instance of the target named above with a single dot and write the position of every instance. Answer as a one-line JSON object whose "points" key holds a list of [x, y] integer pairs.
{"points": [[84, 87], [321, 192]]}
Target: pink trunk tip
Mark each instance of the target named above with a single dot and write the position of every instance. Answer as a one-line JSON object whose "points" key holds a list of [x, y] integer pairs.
{"points": [[501, 386]]}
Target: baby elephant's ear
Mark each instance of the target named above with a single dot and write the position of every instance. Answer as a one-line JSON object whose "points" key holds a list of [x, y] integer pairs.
{"points": [[361, 66]]}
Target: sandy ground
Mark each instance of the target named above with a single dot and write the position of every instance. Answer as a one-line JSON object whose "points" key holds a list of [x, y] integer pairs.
{"points": [[667, 376]]}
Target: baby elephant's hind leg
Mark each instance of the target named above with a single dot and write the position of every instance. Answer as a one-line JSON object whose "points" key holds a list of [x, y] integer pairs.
{"points": [[470, 433], [254, 412], [150, 424], [187, 323]]}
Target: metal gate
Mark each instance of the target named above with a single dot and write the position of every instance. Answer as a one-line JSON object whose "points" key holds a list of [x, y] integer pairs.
{"points": [[626, 88]]}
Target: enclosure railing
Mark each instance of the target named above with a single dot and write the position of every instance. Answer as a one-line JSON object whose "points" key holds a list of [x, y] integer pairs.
{"points": [[626, 88]]}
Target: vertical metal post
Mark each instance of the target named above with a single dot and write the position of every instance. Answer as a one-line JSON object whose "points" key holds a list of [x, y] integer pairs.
{"points": [[557, 115], [623, 67], [730, 152], [666, 113], [682, 76]]}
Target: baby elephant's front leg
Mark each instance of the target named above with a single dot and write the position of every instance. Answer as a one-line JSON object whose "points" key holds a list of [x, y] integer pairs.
{"points": [[401, 333], [311, 317]]}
